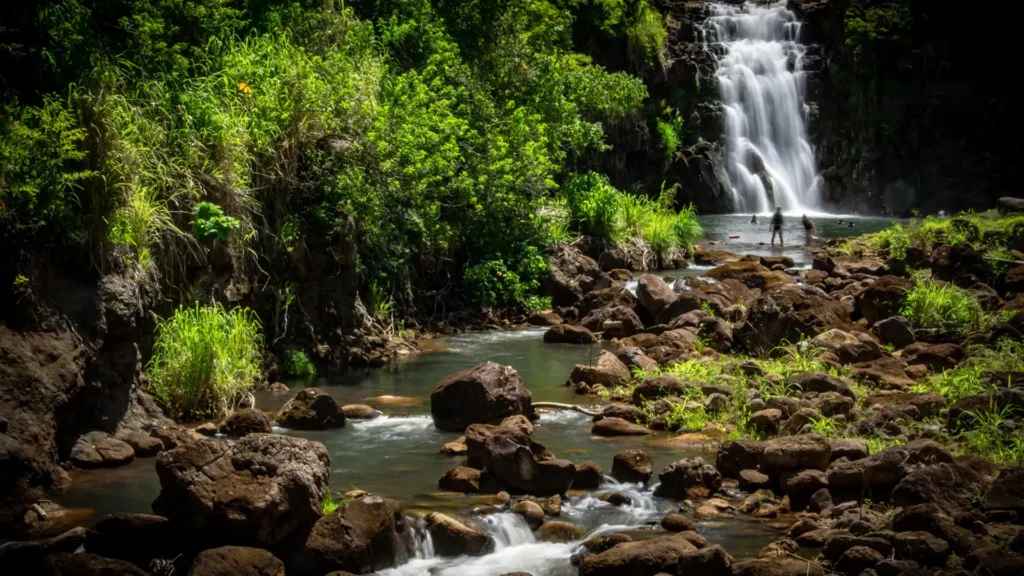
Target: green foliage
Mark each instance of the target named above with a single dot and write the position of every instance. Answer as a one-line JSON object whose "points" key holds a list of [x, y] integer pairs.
{"points": [[594, 205], [989, 437], [825, 426], [204, 359], [670, 129], [140, 223], [298, 365], [979, 373], [330, 504], [210, 222], [42, 169], [942, 307], [493, 284], [876, 24]]}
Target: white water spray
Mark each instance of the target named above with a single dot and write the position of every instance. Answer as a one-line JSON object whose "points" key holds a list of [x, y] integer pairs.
{"points": [[769, 159]]}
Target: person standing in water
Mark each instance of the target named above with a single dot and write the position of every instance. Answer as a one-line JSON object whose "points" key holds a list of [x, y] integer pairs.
{"points": [[753, 218], [777, 226], [808, 229]]}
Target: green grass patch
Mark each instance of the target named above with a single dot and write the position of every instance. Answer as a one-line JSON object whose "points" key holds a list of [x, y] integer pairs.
{"points": [[205, 359], [330, 504], [983, 369], [990, 438], [942, 307]]}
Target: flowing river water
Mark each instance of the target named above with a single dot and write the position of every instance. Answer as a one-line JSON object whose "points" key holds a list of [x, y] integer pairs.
{"points": [[398, 456]]}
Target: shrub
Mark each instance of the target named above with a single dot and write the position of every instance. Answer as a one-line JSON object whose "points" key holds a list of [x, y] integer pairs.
{"points": [[594, 205], [210, 223], [141, 223], [493, 284], [938, 306], [983, 369], [687, 227], [41, 169], [205, 358], [298, 365]]}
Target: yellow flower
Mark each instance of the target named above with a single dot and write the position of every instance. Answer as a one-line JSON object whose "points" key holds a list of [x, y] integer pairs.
{"points": [[244, 88]]}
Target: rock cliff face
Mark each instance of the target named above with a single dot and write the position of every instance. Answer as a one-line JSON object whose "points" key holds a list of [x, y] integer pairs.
{"points": [[906, 102]]}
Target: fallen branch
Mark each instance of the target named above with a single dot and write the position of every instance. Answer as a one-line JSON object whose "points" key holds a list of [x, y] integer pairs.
{"points": [[561, 406]]}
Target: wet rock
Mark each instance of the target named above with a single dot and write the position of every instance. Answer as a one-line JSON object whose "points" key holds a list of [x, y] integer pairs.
{"points": [[680, 477], [619, 499], [558, 531], [456, 447], [608, 371], [360, 411], [311, 409], [738, 455], [28, 557], [858, 559], [1006, 491], [820, 382], [654, 295], [624, 411], [85, 564], [846, 347], [921, 547], [361, 538], [821, 501], [454, 538], [632, 465], [777, 567], [530, 511], [635, 359], [833, 404], [752, 480], [876, 475], [588, 476], [801, 488], [100, 450], [278, 388], [460, 479], [236, 561], [883, 299], [259, 490], [141, 442], [602, 542], [751, 273], [766, 421], [515, 462], [246, 421], [572, 274], [929, 518], [618, 427], [895, 330], [486, 393], [615, 322], [544, 318], [569, 334], [839, 541], [675, 522], [660, 554], [135, 537], [518, 423]]}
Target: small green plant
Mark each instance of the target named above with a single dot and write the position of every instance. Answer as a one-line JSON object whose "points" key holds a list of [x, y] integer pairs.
{"points": [[298, 365], [330, 504], [938, 306], [984, 368], [141, 223], [876, 444], [989, 437], [210, 223], [382, 306], [825, 426], [594, 205], [205, 358]]}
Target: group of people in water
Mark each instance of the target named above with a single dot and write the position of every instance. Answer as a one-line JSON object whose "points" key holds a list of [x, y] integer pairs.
{"points": [[777, 221]]}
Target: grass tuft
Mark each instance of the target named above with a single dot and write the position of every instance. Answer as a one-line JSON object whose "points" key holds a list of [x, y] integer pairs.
{"points": [[205, 359]]}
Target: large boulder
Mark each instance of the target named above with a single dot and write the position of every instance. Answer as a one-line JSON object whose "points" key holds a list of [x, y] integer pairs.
{"points": [[246, 421], [236, 561], [654, 295], [751, 273], [615, 322], [737, 455], [793, 453], [64, 564], [100, 450], [681, 477], [632, 465], [135, 537], [572, 274], [486, 393], [1006, 491], [363, 537], [311, 409], [516, 463], [460, 479], [569, 334], [608, 371], [257, 491], [789, 313], [454, 538], [655, 387], [873, 476], [883, 298], [617, 427], [646, 557]]}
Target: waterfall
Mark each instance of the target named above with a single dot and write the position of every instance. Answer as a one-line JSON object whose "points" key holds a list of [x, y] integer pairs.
{"points": [[769, 160], [507, 529]]}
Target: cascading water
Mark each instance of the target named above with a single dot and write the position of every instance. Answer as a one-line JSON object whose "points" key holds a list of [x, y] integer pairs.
{"points": [[769, 160]]}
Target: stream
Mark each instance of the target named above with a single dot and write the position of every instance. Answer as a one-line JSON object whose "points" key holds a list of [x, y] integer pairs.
{"points": [[397, 455]]}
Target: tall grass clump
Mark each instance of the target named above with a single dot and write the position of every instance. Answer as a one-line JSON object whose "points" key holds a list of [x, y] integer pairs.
{"points": [[298, 365], [942, 307], [205, 359], [985, 368], [594, 205]]}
